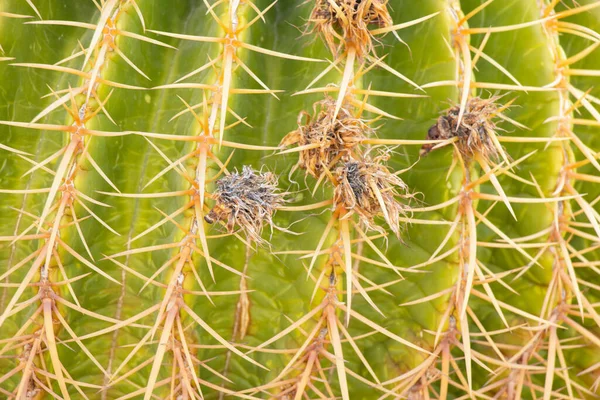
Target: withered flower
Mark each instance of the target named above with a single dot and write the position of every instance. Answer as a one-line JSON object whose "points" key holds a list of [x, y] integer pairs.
{"points": [[346, 22], [247, 199], [476, 131], [328, 140], [369, 189]]}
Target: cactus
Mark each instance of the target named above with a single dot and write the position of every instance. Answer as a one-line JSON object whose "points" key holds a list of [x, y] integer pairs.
{"points": [[299, 199]]}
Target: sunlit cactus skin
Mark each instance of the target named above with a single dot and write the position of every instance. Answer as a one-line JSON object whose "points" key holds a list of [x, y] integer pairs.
{"points": [[297, 200]]}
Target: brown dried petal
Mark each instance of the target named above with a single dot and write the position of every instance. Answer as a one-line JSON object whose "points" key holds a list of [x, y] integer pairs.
{"points": [[473, 132], [247, 199], [334, 140], [362, 188], [352, 26]]}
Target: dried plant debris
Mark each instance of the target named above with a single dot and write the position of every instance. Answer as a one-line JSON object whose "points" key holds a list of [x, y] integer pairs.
{"points": [[247, 200], [344, 23], [475, 132], [369, 189], [327, 141]]}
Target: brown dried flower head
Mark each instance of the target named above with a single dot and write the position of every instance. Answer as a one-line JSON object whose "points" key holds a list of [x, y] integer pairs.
{"points": [[329, 140], [476, 132], [247, 199], [346, 22], [369, 189]]}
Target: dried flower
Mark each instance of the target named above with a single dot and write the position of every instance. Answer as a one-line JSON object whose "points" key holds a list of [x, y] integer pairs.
{"points": [[345, 22], [329, 141], [476, 132], [368, 189], [248, 200]]}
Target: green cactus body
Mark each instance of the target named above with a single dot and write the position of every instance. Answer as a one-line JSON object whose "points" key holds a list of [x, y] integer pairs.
{"points": [[323, 199]]}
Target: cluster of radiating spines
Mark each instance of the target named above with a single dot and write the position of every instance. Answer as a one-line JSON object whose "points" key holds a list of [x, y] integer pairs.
{"points": [[513, 368], [65, 206]]}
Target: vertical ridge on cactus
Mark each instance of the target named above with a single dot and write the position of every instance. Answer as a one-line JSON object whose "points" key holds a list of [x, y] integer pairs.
{"points": [[354, 199]]}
